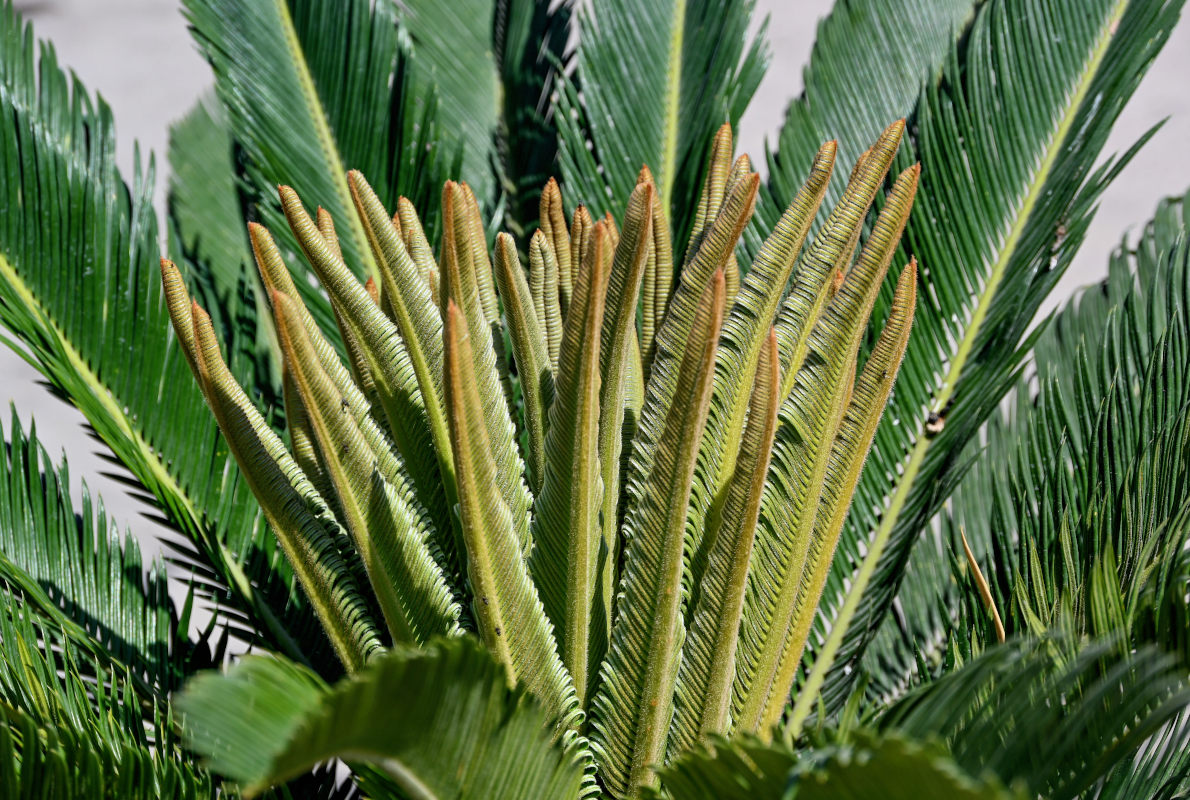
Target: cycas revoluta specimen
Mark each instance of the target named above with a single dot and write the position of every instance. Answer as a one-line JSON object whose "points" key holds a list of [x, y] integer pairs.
{"points": [[623, 472]]}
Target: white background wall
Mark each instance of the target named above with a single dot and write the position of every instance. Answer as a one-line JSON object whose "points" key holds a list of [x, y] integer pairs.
{"points": [[138, 54]]}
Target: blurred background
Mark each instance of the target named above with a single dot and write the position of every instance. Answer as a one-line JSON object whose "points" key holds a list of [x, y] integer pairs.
{"points": [[138, 55]]}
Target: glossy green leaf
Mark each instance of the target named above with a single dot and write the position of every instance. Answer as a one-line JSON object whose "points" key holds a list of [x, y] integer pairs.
{"points": [[455, 729]]}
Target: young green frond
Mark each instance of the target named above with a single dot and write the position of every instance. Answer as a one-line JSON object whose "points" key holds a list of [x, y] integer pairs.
{"points": [[463, 259], [703, 696], [387, 529], [304, 525], [569, 559], [553, 227], [508, 613], [529, 352], [635, 703]]}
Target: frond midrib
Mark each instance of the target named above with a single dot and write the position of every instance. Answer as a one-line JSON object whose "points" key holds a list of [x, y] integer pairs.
{"points": [[673, 97]]}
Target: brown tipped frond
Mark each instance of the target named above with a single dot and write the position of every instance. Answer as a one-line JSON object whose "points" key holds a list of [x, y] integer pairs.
{"points": [[414, 427], [707, 672], [543, 283], [460, 286], [553, 226], [634, 703], [529, 352], [508, 613], [848, 452], [580, 235], [305, 527], [829, 253], [570, 560], [714, 185], [385, 525], [418, 245]]}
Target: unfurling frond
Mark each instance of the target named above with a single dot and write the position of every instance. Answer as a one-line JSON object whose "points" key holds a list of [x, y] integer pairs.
{"points": [[625, 479]]}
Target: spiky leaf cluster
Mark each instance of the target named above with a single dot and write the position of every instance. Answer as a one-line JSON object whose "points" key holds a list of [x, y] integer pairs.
{"points": [[625, 478]]}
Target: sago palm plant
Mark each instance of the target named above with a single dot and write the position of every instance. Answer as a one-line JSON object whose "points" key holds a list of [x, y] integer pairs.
{"points": [[521, 470], [615, 578]]}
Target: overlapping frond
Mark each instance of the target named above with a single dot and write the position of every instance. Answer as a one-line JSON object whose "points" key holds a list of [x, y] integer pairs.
{"points": [[635, 701], [375, 498], [297, 513], [73, 725], [997, 220], [707, 671], [569, 556], [77, 267], [822, 321], [869, 63], [997, 713], [530, 354], [90, 646], [682, 68], [1091, 464], [892, 766], [508, 611], [312, 89], [467, 282], [453, 62]]}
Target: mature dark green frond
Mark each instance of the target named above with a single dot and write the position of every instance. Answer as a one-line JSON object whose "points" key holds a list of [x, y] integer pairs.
{"points": [[77, 573], [1000, 713], [453, 59], [1007, 142], [74, 722], [78, 267], [531, 41], [657, 78], [205, 224], [459, 732], [46, 762], [311, 89], [742, 768], [204, 199], [1160, 770], [1086, 471], [870, 60]]}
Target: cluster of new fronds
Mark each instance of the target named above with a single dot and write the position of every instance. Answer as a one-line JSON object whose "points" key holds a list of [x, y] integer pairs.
{"points": [[626, 475]]}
